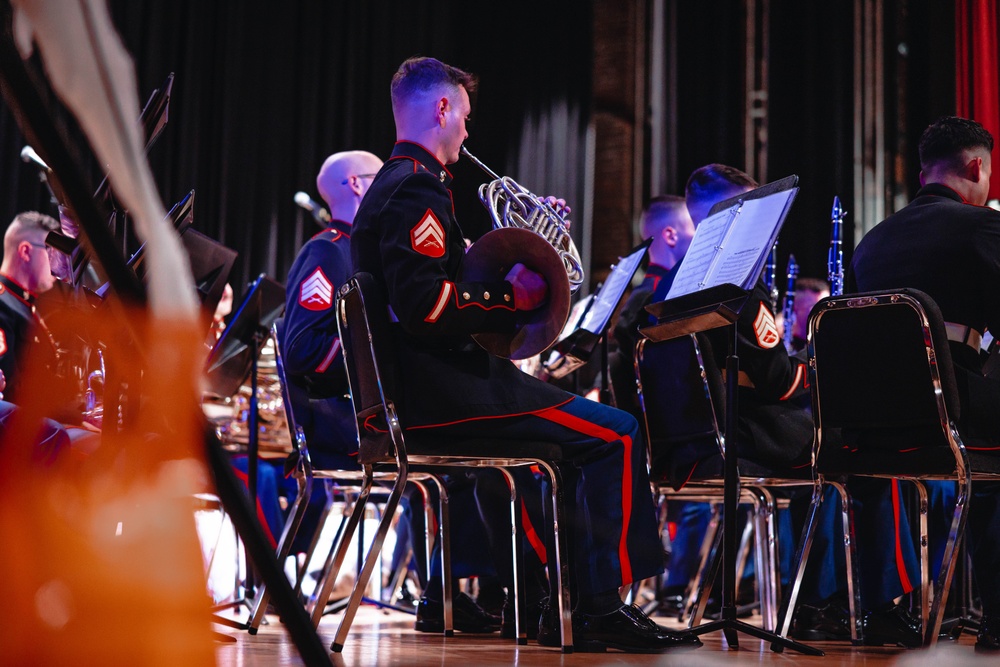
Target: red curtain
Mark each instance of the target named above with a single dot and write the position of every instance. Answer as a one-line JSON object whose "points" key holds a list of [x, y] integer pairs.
{"points": [[977, 89]]}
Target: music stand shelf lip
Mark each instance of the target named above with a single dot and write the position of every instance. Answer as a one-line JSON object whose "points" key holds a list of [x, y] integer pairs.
{"points": [[711, 308]]}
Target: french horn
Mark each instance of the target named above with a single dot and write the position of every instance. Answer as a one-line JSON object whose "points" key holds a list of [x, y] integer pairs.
{"points": [[526, 230]]}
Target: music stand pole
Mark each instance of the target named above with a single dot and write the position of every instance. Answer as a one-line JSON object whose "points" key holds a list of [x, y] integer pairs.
{"points": [[606, 397], [253, 447], [728, 623]]}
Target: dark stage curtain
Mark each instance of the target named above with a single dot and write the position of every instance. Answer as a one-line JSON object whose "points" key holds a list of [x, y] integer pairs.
{"points": [[977, 90], [264, 91]]}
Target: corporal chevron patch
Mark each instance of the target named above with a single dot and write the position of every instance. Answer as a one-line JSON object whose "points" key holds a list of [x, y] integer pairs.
{"points": [[765, 328], [427, 237], [316, 291]]}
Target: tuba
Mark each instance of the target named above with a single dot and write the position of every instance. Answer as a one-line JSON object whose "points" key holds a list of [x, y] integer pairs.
{"points": [[528, 230]]}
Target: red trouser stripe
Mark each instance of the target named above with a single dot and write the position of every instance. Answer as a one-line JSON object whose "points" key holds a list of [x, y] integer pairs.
{"points": [[533, 539], [607, 435], [261, 519], [904, 577]]}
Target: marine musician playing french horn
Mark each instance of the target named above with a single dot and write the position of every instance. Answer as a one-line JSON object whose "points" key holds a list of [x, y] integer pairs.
{"points": [[407, 237]]}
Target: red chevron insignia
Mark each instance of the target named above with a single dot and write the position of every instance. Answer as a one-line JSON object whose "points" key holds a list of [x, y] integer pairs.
{"points": [[427, 237], [316, 291], [765, 328]]}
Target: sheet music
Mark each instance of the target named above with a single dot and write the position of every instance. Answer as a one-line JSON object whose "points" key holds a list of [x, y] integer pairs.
{"points": [[610, 294], [728, 245]]}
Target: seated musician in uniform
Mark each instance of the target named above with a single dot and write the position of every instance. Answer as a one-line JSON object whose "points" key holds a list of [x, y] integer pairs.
{"points": [[776, 429], [406, 236], [315, 364], [26, 272], [946, 243], [665, 220]]}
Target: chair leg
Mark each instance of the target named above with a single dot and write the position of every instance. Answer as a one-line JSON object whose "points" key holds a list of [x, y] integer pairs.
{"points": [[444, 535], [374, 550], [321, 524], [708, 576], [710, 545], [851, 561], [769, 568], [948, 562], [926, 594], [517, 563], [787, 611], [339, 549], [284, 547], [562, 565]]}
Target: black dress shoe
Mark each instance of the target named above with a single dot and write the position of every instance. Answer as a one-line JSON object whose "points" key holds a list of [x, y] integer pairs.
{"points": [[892, 626], [988, 639], [467, 616], [831, 622], [625, 629]]}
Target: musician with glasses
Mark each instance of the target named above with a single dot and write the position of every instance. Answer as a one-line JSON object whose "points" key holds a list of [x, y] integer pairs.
{"points": [[407, 237], [946, 243], [25, 273]]}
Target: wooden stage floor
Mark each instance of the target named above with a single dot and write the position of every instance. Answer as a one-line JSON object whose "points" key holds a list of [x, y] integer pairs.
{"points": [[387, 638]]}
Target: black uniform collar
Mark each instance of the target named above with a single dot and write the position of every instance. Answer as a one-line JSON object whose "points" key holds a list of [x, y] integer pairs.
{"points": [[423, 157], [940, 190], [17, 290], [656, 270], [341, 226]]}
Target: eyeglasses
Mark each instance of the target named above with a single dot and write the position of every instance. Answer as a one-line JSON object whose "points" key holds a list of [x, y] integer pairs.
{"points": [[348, 179]]}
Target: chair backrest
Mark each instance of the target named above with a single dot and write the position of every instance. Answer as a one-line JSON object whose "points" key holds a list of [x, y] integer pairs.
{"points": [[881, 371], [679, 400], [291, 393], [363, 322]]}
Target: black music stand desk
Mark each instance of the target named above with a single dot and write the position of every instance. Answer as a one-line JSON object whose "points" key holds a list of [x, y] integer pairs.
{"points": [[234, 357], [575, 346], [712, 286]]}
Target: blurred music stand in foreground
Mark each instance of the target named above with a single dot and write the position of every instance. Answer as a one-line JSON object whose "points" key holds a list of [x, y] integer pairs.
{"points": [[712, 285], [234, 358], [575, 346]]}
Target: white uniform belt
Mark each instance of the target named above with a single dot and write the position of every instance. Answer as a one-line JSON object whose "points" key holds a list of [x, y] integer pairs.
{"points": [[964, 334]]}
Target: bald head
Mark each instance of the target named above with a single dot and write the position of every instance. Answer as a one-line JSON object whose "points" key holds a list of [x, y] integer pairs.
{"points": [[709, 185], [344, 179], [25, 257]]}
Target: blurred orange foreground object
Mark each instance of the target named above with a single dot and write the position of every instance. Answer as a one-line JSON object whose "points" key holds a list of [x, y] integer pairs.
{"points": [[99, 558]]}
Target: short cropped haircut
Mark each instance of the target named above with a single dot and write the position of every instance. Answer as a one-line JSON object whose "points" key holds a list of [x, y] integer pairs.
{"points": [[715, 179], [659, 212], [418, 74], [944, 140], [25, 223]]}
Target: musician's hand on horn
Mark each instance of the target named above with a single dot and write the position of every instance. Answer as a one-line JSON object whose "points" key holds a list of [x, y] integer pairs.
{"points": [[530, 289], [561, 208]]}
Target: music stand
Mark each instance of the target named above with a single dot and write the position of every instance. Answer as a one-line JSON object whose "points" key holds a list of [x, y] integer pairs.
{"points": [[234, 357], [575, 348], [712, 285]]}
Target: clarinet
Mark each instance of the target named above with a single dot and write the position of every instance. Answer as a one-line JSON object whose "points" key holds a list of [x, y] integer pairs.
{"points": [[835, 258], [769, 275], [788, 310]]}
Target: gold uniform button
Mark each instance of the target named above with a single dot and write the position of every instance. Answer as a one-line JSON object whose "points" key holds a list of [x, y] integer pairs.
{"points": [[486, 296], [506, 297], [466, 296]]}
